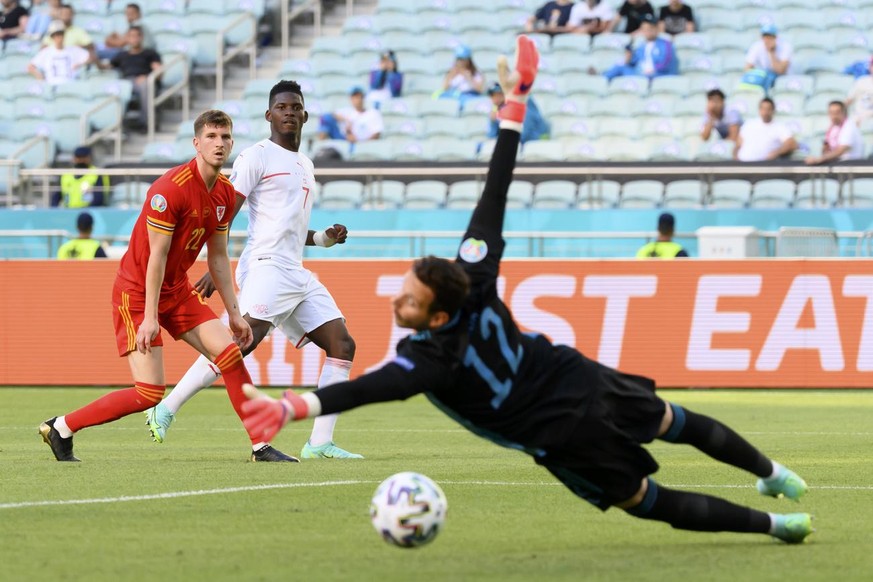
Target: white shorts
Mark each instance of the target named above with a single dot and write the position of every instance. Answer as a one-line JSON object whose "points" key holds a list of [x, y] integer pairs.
{"points": [[291, 299]]}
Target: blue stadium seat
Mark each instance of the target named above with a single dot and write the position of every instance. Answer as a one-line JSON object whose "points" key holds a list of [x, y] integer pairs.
{"points": [[730, 193], [858, 193], [665, 150], [575, 127], [464, 194], [597, 194], [684, 194], [373, 150], [555, 194], [817, 193], [385, 194], [542, 151], [631, 85], [341, 195], [641, 194], [520, 194], [580, 149], [774, 193], [425, 194], [671, 85], [715, 150]]}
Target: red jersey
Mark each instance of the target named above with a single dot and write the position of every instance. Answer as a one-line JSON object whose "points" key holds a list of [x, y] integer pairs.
{"points": [[177, 205]]}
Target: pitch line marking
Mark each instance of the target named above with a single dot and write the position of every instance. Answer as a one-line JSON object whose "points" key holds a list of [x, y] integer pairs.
{"points": [[267, 487]]}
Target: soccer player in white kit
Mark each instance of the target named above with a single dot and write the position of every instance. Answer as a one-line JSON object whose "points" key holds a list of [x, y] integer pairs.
{"points": [[276, 291]]}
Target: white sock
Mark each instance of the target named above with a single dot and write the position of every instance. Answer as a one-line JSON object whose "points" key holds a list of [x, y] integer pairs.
{"points": [[62, 428], [258, 446], [200, 375], [772, 523], [777, 468], [333, 371]]}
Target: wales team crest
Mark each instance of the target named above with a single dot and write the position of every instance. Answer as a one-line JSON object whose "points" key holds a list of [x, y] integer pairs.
{"points": [[219, 212]]}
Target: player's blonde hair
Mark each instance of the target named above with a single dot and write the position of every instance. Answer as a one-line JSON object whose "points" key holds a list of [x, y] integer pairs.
{"points": [[214, 117]]}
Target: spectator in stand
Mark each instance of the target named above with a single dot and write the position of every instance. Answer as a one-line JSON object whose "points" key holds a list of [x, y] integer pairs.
{"points": [[767, 58], [81, 190], [136, 64], [654, 57], [764, 139], [13, 20], [463, 80], [676, 18], [550, 18], [591, 17], [75, 35], [842, 140], [534, 127], [354, 123], [633, 12], [861, 96], [115, 42], [57, 63], [41, 15], [386, 82], [725, 121]]}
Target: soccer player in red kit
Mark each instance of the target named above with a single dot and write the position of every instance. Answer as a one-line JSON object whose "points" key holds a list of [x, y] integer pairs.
{"points": [[189, 206]]}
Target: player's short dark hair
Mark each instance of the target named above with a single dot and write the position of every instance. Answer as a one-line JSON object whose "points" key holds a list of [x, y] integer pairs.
{"points": [[212, 117], [838, 103], [285, 87], [448, 281], [714, 93], [767, 100], [135, 27]]}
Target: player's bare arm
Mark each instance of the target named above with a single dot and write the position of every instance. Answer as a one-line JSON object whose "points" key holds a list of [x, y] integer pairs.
{"points": [[219, 268], [204, 284], [159, 247]]}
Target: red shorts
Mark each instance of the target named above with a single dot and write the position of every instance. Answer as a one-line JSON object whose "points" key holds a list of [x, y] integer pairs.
{"points": [[185, 312]]}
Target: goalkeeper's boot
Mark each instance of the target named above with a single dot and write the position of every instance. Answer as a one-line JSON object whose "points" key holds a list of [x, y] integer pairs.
{"points": [[327, 451], [60, 446], [268, 454], [792, 528], [159, 418], [786, 483], [516, 84]]}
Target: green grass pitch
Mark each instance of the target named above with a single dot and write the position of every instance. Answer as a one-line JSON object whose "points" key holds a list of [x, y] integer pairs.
{"points": [[507, 519]]}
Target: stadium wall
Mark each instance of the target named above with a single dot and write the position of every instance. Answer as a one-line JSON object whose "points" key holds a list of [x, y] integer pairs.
{"points": [[113, 222], [745, 323]]}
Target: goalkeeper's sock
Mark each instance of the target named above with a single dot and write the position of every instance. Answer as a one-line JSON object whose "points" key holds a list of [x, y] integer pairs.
{"points": [[517, 84], [716, 440], [200, 375], [696, 512]]}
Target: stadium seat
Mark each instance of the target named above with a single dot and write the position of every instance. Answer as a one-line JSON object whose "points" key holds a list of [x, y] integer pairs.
{"points": [[339, 145], [341, 194], [858, 193], [574, 127], [597, 194], [623, 149], [641, 194], [671, 85], [693, 41], [665, 150], [578, 150], [684, 194], [453, 127], [789, 104], [619, 127], [437, 108], [730, 193], [542, 151], [709, 64], [575, 85], [159, 152], [129, 194], [833, 83], [464, 194], [794, 84], [385, 194], [373, 150], [817, 193], [631, 85], [774, 193], [449, 149], [663, 127], [520, 194], [571, 45], [425, 194], [555, 194]]}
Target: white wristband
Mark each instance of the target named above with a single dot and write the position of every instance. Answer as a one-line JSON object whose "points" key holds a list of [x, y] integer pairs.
{"points": [[321, 239]]}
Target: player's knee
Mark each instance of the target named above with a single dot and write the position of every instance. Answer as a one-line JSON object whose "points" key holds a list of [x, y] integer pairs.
{"points": [[342, 347], [640, 503]]}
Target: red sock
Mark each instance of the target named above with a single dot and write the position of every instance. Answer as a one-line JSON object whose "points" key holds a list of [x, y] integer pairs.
{"points": [[115, 405], [230, 362]]}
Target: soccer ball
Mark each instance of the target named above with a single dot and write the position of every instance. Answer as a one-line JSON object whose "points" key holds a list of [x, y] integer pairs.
{"points": [[408, 510]]}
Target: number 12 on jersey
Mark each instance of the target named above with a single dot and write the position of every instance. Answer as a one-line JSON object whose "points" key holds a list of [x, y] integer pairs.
{"points": [[501, 388]]}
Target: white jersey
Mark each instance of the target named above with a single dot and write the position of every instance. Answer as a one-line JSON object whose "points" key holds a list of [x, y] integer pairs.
{"points": [[278, 185]]}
